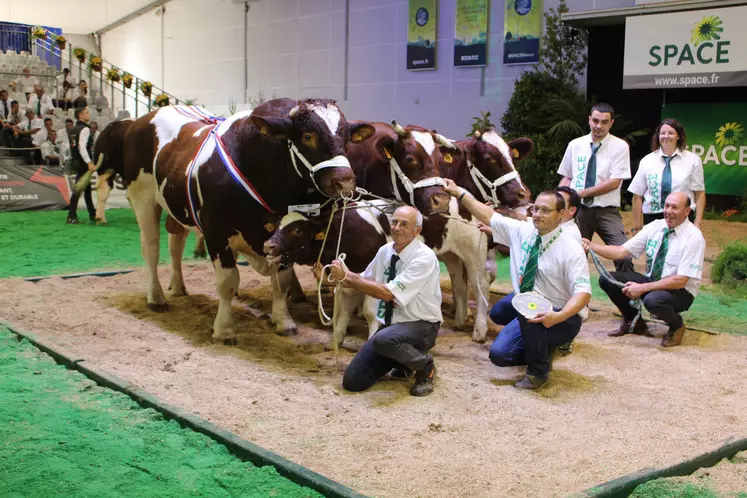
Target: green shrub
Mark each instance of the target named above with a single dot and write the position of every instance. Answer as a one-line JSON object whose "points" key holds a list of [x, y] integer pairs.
{"points": [[672, 488], [730, 267]]}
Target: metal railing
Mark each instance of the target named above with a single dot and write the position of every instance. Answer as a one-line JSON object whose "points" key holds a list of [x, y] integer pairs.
{"points": [[133, 99]]}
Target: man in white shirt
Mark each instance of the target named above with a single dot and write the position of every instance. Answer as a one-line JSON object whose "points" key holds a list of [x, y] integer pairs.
{"points": [[25, 132], [10, 133], [41, 135], [24, 83], [405, 278], [51, 149], [675, 250], [81, 151], [40, 103], [65, 85], [595, 165], [4, 104], [544, 259]]}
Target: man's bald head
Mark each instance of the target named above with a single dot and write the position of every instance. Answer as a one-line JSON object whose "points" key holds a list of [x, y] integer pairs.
{"points": [[406, 225], [411, 213], [676, 209]]}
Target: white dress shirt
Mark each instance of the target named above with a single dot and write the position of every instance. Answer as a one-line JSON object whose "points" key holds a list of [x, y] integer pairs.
{"points": [[416, 285], [35, 123], [685, 252], [612, 161], [571, 229], [61, 93], [562, 268], [77, 93], [49, 148], [16, 118], [687, 177], [85, 133], [39, 137], [3, 112], [26, 84], [42, 107]]}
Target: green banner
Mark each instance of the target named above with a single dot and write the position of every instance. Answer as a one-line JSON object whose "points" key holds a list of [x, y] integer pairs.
{"points": [[421, 35], [716, 133], [471, 33], [522, 29]]}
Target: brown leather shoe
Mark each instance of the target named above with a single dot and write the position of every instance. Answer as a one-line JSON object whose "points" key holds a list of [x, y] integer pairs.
{"points": [[640, 328], [673, 337]]}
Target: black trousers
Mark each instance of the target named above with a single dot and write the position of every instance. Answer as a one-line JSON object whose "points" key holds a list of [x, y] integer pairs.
{"points": [[607, 222], [648, 218], [539, 341], [665, 304], [401, 344], [72, 210]]}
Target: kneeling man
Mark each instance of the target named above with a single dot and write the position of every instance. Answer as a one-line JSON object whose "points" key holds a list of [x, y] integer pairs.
{"points": [[404, 276], [675, 249], [545, 259]]}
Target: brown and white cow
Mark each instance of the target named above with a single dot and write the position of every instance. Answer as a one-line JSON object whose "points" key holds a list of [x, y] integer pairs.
{"points": [[224, 178]]}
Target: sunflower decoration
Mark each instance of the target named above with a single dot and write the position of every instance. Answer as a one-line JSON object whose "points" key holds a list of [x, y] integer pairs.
{"points": [[113, 75], [79, 54], [127, 79], [96, 63], [162, 100], [730, 134], [146, 87], [39, 33], [707, 29], [61, 42]]}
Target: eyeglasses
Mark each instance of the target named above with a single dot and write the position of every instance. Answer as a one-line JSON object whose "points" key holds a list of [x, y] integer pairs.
{"points": [[543, 210]]}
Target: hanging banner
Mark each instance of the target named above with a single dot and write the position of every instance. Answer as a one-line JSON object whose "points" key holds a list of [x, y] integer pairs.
{"points": [[694, 49], [421, 35], [716, 133], [471, 33], [522, 29], [25, 188]]}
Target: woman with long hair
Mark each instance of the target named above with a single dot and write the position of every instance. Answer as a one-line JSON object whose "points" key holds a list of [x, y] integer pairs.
{"points": [[670, 167]]}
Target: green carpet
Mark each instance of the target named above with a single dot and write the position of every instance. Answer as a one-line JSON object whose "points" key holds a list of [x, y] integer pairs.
{"points": [[63, 435], [40, 243]]}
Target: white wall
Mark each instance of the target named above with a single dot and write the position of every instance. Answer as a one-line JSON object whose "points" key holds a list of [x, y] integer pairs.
{"points": [[73, 16]]}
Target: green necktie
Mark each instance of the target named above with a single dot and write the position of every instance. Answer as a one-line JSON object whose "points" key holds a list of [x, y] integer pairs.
{"points": [[530, 270], [666, 180], [38, 106], [661, 255], [389, 305], [591, 172]]}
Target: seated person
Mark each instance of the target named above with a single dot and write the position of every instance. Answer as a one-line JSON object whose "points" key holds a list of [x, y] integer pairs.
{"points": [[40, 137], [24, 83], [23, 134], [51, 149], [40, 103], [675, 249], [79, 96]]}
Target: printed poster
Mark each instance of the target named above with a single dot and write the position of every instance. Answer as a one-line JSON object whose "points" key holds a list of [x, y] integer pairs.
{"points": [[421, 35], [471, 33], [522, 29]]}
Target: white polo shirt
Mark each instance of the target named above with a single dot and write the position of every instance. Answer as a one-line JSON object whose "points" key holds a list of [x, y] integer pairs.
{"points": [[685, 252], [416, 285], [613, 161], [562, 268], [49, 148], [39, 137], [687, 177], [44, 107], [26, 84], [571, 229], [35, 123]]}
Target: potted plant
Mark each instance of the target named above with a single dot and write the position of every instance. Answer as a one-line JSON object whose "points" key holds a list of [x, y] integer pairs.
{"points": [[113, 75], [79, 54], [146, 87], [162, 100], [96, 63], [127, 80], [39, 32], [61, 42]]}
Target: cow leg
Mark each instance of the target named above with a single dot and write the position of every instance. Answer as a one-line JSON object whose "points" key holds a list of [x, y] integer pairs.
{"points": [[177, 241], [346, 301], [102, 194], [490, 265], [478, 280], [459, 289], [199, 251], [370, 308], [148, 214], [226, 284], [296, 291], [281, 283]]}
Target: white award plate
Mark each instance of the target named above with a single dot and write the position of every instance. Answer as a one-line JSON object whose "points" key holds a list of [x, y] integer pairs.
{"points": [[530, 304]]}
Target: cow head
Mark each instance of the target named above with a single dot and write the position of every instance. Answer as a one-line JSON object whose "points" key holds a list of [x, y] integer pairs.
{"points": [[410, 171], [317, 134], [495, 176], [290, 238]]}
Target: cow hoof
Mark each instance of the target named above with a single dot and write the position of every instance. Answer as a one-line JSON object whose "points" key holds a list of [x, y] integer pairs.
{"points": [[479, 340], [330, 346], [232, 341], [199, 254], [158, 308], [288, 332], [101, 223]]}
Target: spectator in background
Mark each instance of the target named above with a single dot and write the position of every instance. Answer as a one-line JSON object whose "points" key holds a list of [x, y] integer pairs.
{"points": [[24, 83], [65, 85], [24, 133], [52, 149], [40, 137], [41, 103], [81, 149], [95, 131], [14, 118], [80, 95], [4, 105], [63, 133]]}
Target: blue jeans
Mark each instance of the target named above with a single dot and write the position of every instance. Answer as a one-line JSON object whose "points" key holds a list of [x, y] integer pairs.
{"points": [[508, 348]]}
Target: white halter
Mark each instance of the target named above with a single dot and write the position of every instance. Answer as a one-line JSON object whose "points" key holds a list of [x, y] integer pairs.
{"points": [[481, 180], [395, 171], [335, 162]]}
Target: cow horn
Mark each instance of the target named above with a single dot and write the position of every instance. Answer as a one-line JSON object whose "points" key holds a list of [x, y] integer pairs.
{"points": [[443, 141], [397, 128], [293, 112]]}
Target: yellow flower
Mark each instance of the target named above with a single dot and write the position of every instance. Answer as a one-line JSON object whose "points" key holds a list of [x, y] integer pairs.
{"points": [[730, 134], [707, 29]]}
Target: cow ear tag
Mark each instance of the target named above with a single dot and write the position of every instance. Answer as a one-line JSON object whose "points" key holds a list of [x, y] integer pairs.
{"points": [[265, 130], [515, 153], [448, 158], [357, 137], [388, 155], [269, 227], [319, 236]]}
